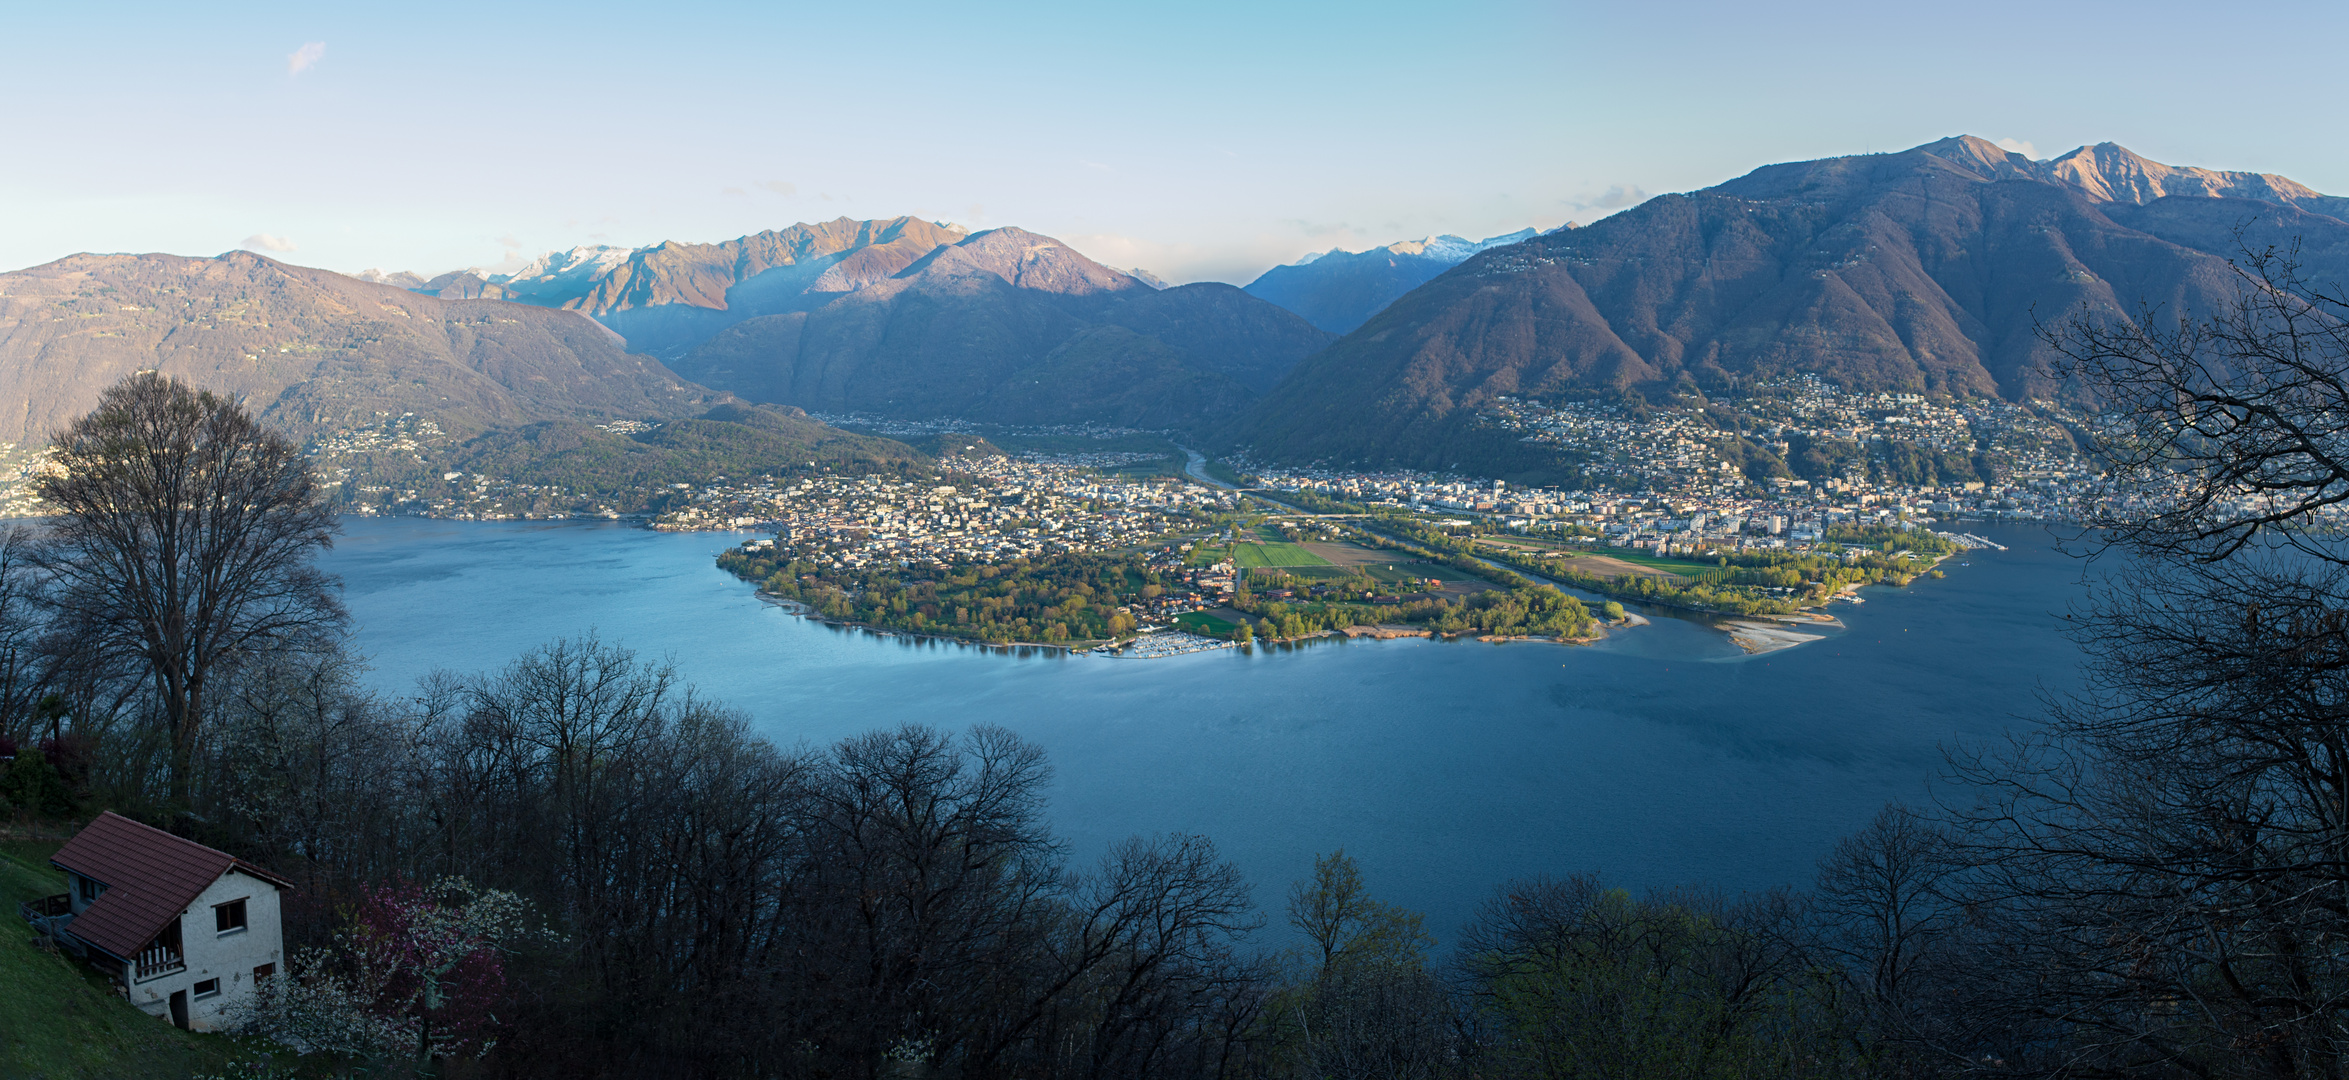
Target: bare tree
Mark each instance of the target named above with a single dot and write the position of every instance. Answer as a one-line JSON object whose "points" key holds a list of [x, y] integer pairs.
{"points": [[2157, 880], [20, 632], [2162, 872], [2221, 427], [1880, 922], [184, 536]]}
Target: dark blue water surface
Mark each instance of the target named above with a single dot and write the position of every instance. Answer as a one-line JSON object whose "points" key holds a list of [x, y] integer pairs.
{"points": [[1662, 756]]}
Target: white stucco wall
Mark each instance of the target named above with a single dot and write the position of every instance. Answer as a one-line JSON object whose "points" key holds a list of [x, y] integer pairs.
{"points": [[229, 957]]}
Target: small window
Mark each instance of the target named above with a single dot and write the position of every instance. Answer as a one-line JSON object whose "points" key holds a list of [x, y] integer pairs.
{"points": [[88, 889], [263, 973], [229, 917], [207, 988]]}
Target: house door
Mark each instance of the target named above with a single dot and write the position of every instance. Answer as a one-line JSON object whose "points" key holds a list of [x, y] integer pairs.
{"points": [[179, 1008]]}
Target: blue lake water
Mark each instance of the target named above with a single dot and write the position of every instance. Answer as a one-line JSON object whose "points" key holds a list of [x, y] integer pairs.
{"points": [[1661, 756]]}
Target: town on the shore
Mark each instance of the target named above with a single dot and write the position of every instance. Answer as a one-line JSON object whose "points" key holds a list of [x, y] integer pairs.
{"points": [[1676, 487], [1718, 495]]}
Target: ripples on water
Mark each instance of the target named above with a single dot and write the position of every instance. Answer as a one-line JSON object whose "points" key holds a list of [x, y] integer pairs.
{"points": [[1661, 756]]}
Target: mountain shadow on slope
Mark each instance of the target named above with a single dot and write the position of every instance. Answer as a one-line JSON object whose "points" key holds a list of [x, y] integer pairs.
{"points": [[1012, 327], [633, 471]]}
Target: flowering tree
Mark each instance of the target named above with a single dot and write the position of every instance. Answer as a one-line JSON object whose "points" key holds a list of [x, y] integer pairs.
{"points": [[437, 956], [418, 968]]}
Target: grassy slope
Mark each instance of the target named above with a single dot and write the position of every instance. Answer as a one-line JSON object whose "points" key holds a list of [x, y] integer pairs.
{"points": [[58, 1019]]}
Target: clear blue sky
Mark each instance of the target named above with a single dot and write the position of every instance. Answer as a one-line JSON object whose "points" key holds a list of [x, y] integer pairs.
{"points": [[1198, 140]]}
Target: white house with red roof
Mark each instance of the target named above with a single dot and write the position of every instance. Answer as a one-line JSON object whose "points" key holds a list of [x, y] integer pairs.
{"points": [[185, 930]]}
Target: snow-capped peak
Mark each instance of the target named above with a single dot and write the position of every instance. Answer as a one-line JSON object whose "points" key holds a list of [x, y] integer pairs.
{"points": [[1455, 249], [1447, 249], [586, 260]]}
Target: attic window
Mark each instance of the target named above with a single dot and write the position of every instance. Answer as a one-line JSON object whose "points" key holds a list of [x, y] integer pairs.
{"points": [[229, 918], [88, 889]]}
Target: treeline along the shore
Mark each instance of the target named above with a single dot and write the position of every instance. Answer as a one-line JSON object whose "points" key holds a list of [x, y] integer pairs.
{"points": [[617, 878]]}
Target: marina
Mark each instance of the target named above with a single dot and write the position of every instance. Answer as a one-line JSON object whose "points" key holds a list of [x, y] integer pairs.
{"points": [[1165, 643]]}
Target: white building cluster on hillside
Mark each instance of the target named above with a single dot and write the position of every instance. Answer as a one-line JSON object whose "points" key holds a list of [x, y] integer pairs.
{"points": [[1677, 479]]}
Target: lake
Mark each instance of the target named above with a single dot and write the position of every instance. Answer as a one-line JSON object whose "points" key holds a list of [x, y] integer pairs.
{"points": [[1662, 756]]}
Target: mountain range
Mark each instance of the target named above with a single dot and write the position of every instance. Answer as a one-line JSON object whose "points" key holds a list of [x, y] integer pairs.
{"points": [[1013, 327], [309, 350], [915, 319], [1927, 270], [1338, 290]]}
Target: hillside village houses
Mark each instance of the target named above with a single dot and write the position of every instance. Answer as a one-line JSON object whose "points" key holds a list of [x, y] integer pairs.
{"points": [[1664, 479], [184, 931]]}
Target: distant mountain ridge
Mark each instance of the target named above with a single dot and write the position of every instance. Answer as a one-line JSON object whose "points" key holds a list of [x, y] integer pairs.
{"points": [[1926, 270], [911, 318], [1015, 327], [309, 350], [1338, 290]]}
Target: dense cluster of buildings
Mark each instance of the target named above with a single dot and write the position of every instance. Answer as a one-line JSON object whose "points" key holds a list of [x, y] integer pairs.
{"points": [[352, 463], [405, 433], [997, 509], [19, 465], [1675, 480]]}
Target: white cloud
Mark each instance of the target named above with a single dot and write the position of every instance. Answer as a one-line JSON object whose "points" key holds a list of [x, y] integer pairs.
{"points": [[2020, 147], [1614, 198], [304, 58], [779, 187], [1182, 263], [265, 242]]}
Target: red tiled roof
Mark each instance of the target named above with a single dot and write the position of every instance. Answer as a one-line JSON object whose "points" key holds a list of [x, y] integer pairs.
{"points": [[150, 877]]}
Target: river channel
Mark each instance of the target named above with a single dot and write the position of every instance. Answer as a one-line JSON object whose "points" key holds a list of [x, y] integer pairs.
{"points": [[1661, 756]]}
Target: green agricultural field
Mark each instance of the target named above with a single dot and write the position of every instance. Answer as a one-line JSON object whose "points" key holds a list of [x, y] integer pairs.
{"points": [[1200, 622], [1277, 553]]}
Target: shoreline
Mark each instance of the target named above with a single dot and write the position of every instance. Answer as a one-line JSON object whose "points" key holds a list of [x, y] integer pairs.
{"points": [[1113, 649]]}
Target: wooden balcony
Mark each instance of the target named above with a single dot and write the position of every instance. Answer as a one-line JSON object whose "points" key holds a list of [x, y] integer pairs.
{"points": [[157, 959]]}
